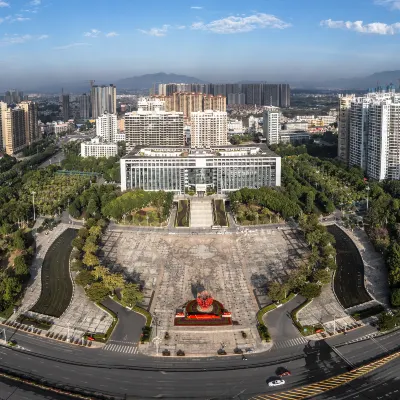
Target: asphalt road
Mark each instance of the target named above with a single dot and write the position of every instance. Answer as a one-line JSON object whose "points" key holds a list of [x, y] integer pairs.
{"points": [[129, 326], [383, 383], [279, 322], [349, 277], [223, 377]]}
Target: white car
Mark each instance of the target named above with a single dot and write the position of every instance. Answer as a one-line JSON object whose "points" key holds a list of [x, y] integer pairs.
{"points": [[277, 382]]}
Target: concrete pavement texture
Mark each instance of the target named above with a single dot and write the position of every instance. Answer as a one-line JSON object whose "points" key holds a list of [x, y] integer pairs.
{"points": [[235, 268]]}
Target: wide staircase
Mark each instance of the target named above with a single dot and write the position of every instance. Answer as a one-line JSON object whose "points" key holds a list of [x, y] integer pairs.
{"points": [[201, 214]]}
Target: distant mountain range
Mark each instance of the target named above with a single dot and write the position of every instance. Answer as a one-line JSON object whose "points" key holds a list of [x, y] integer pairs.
{"points": [[383, 79], [147, 81]]}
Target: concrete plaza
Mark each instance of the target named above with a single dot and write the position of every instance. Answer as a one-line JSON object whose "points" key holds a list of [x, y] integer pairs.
{"points": [[173, 268]]}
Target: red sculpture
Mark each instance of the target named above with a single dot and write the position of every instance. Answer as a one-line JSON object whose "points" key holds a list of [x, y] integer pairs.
{"points": [[204, 300]]}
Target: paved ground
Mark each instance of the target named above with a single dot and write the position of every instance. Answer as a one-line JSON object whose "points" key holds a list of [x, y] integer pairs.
{"points": [[81, 315], [127, 333], [173, 268]]}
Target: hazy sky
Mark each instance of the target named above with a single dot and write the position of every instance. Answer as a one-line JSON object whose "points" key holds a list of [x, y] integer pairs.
{"points": [[215, 40]]}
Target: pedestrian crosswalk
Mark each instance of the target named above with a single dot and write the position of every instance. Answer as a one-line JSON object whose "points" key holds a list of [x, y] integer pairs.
{"points": [[120, 348], [290, 343]]}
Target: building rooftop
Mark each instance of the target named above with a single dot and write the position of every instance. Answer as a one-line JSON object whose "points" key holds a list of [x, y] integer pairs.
{"points": [[256, 150]]}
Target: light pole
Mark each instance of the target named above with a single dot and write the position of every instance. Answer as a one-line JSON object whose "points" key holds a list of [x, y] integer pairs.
{"points": [[68, 333], [334, 324], [33, 203], [367, 189], [4, 333]]}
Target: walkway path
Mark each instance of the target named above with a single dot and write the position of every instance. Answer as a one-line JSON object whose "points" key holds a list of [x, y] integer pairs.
{"points": [[201, 214]]}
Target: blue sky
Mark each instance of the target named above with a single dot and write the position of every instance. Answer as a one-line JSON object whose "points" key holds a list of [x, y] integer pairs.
{"points": [[224, 40]]}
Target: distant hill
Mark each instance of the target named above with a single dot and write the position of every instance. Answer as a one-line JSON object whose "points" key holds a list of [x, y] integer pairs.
{"points": [[148, 80], [371, 81]]}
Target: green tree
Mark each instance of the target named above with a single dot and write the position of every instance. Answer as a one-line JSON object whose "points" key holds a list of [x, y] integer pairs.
{"points": [[78, 243], [277, 291], [10, 288], [92, 208], [97, 292], [95, 231], [395, 297], [131, 295], [310, 290], [100, 272], [114, 281], [19, 241], [20, 267], [90, 247], [388, 321], [84, 278], [90, 260], [322, 276], [83, 233]]}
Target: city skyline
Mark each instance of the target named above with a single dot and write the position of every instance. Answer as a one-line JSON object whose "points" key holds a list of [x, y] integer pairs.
{"points": [[224, 42]]}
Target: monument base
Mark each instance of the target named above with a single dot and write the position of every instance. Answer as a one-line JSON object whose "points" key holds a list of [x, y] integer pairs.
{"points": [[215, 315]]}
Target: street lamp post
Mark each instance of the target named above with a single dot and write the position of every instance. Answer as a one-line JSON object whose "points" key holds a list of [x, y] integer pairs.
{"points": [[33, 203], [334, 324]]}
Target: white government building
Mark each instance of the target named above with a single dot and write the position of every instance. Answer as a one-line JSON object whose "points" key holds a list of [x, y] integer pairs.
{"points": [[220, 168]]}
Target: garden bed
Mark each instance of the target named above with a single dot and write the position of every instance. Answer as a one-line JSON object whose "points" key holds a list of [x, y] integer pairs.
{"points": [[35, 322], [219, 213], [182, 216]]}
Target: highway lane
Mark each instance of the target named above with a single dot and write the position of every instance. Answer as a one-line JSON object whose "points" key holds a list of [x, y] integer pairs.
{"points": [[383, 383], [202, 384]]}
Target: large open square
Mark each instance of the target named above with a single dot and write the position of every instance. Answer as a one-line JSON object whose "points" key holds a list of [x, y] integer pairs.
{"points": [[234, 267]]}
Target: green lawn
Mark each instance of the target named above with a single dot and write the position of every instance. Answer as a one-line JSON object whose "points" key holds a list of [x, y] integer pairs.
{"points": [[182, 217], [219, 213]]}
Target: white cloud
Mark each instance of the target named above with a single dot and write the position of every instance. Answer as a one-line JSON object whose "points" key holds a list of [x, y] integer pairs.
{"points": [[241, 24], [181, 27], [68, 46], [92, 33], [393, 4], [4, 4], [156, 31], [196, 8], [112, 34], [35, 2], [19, 39], [378, 28], [20, 19]]}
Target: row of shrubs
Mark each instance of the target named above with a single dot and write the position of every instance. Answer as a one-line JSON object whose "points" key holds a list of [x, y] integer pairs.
{"points": [[36, 322]]}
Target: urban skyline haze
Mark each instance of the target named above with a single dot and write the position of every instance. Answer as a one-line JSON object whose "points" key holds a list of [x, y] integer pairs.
{"points": [[45, 42]]}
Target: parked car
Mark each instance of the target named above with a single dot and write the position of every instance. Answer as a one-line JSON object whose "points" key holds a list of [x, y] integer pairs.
{"points": [[276, 382]]}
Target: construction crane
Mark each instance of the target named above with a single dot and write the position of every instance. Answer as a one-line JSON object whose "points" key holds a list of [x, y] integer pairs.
{"points": [[92, 81]]}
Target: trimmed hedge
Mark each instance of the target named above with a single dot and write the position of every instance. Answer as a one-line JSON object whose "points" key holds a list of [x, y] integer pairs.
{"points": [[288, 298], [263, 311], [304, 330], [145, 313], [261, 327], [368, 312], [103, 337]]}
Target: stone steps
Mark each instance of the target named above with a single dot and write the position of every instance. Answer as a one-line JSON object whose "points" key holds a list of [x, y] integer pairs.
{"points": [[201, 214]]}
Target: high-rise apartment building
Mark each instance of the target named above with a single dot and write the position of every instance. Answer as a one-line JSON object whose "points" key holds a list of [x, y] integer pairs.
{"points": [[65, 106], [215, 103], [13, 129], [103, 98], [151, 104], [370, 126], [32, 131], [107, 127], [236, 98], [85, 106], [209, 128], [344, 127], [154, 128], [13, 96], [271, 125]]}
